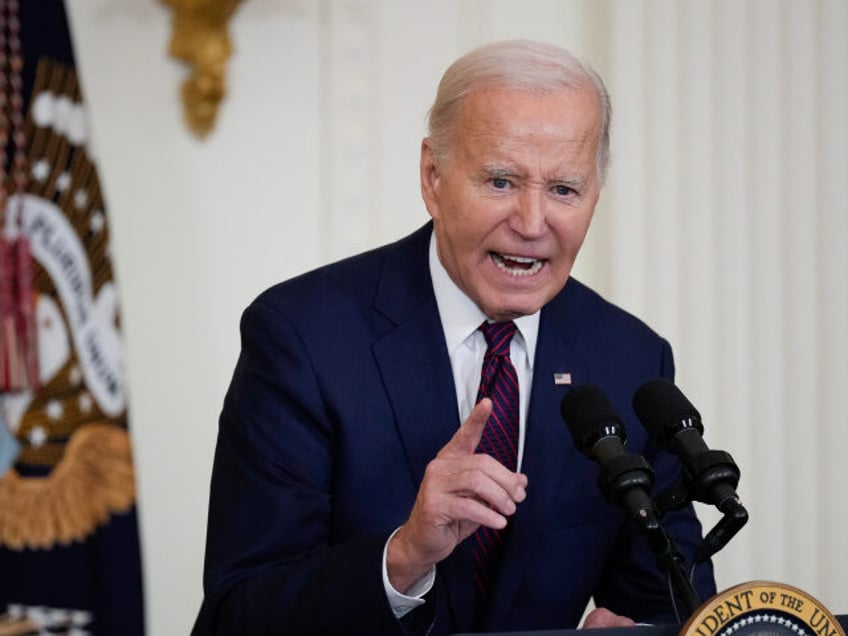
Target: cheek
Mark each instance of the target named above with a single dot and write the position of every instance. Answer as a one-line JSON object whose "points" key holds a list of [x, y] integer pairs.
{"points": [[466, 231], [577, 238], [458, 245], [570, 235]]}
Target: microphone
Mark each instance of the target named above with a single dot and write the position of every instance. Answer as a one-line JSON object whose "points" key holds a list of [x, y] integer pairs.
{"points": [[599, 434], [711, 475], [676, 426], [625, 479]]}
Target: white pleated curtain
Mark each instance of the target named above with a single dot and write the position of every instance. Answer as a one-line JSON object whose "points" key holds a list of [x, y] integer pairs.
{"points": [[726, 228]]}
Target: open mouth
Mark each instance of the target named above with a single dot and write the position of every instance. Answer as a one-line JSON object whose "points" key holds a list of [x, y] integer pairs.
{"points": [[517, 265]]}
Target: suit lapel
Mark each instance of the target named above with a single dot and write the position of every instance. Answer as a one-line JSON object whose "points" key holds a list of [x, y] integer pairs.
{"points": [[420, 388], [412, 356], [415, 368]]}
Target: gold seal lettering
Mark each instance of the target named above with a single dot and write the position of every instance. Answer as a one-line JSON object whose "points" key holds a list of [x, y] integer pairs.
{"points": [[783, 608]]}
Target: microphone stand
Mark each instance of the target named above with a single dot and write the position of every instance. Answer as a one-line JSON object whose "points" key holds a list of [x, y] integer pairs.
{"points": [[670, 560], [712, 479], [626, 480]]}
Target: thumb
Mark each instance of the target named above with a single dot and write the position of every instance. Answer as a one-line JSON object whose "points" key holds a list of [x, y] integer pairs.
{"points": [[467, 437], [602, 617]]}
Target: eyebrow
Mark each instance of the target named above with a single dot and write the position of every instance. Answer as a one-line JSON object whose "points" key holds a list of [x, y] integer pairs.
{"points": [[494, 171], [576, 182]]}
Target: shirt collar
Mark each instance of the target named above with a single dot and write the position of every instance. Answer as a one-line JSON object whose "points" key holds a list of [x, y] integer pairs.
{"points": [[461, 317]]}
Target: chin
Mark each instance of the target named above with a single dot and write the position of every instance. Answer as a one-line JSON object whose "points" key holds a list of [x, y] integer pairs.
{"points": [[500, 302], [500, 313]]}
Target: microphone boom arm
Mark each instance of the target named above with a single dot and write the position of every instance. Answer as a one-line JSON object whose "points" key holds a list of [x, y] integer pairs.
{"points": [[625, 481]]}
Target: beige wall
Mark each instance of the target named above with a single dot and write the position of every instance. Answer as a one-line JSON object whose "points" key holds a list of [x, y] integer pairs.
{"points": [[723, 224]]}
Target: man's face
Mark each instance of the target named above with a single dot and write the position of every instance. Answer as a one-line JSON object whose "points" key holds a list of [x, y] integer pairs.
{"points": [[512, 201]]}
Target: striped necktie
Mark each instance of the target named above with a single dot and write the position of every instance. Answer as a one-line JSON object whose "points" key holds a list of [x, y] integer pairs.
{"points": [[499, 382]]}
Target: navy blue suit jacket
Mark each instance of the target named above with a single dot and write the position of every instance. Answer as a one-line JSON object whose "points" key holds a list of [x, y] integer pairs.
{"points": [[342, 395]]}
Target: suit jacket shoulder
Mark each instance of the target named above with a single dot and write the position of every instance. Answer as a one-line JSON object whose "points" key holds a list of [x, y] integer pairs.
{"points": [[394, 279], [601, 323]]}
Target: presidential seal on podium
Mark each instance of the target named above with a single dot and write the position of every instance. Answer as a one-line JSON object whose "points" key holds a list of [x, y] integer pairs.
{"points": [[759, 608]]}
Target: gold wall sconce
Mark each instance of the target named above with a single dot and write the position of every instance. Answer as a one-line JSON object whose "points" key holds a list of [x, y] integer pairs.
{"points": [[201, 39]]}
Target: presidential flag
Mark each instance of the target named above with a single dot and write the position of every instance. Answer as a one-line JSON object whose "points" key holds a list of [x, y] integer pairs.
{"points": [[69, 550]]}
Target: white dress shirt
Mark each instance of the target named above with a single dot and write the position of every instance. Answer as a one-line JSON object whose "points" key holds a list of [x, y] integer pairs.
{"points": [[466, 345]]}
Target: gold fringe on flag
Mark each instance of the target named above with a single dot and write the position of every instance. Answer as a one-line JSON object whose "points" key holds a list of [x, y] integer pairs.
{"points": [[94, 479], [17, 626]]}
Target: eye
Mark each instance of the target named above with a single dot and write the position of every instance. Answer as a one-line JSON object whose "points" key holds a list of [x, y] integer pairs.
{"points": [[563, 190], [500, 183]]}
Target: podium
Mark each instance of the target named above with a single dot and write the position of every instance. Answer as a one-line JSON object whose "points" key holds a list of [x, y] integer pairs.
{"points": [[639, 630]]}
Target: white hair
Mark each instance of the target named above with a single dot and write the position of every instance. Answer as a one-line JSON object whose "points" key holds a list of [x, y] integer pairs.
{"points": [[523, 65]]}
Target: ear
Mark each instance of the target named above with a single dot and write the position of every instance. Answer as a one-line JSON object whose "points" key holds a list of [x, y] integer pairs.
{"points": [[430, 178]]}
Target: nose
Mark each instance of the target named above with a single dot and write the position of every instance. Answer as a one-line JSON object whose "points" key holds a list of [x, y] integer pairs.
{"points": [[529, 218]]}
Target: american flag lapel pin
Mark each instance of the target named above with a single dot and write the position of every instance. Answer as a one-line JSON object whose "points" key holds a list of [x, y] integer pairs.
{"points": [[562, 379]]}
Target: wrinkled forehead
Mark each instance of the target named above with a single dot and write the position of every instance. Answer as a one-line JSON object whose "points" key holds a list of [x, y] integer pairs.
{"points": [[564, 121], [514, 121]]}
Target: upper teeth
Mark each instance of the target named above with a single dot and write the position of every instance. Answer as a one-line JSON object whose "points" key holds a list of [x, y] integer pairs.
{"points": [[535, 266]]}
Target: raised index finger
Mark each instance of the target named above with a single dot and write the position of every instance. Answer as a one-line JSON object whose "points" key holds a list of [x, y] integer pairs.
{"points": [[467, 437]]}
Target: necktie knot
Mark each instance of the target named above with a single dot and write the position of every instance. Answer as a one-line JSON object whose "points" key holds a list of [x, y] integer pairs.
{"points": [[498, 336]]}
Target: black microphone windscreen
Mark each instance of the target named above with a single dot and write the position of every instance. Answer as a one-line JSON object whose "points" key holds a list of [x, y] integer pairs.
{"points": [[661, 406], [589, 415]]}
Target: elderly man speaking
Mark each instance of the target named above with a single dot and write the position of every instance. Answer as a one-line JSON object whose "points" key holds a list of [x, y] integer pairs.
{"points": [[390, 456]]}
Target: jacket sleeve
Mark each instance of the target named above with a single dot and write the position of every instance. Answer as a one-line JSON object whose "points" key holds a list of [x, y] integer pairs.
{"points": [[270, 565]]}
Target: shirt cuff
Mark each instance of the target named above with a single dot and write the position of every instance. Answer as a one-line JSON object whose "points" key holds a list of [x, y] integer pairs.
{"points": [[402, 604]]}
